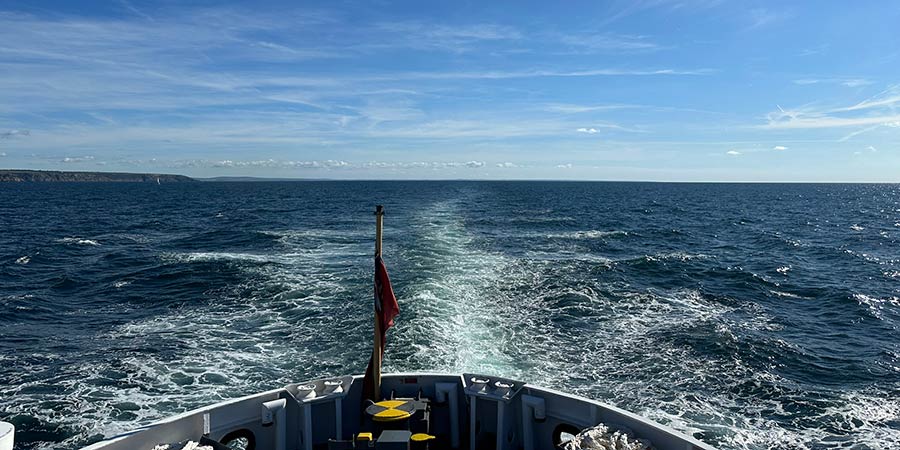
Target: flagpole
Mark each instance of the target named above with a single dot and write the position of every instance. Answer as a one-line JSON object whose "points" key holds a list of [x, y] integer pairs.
{"points": [[377, 348]]}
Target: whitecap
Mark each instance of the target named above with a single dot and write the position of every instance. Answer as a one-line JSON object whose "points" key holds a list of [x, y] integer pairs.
{"points": [[855, 227], [225, 256], [874, 304], [677, 256], [783, 270], [120, 284], [786, 294], [588, 234], [78, 241]]}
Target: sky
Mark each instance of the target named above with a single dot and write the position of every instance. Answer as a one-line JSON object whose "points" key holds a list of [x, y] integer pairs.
{"points": [[656, 90]]}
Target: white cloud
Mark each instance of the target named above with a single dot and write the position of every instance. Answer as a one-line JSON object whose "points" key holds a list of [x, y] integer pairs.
{"points": [[587, 130], [871, 149], [779, 147], [2, 154], [733, 152], [329, 164], [507, 165], [564, 166]]}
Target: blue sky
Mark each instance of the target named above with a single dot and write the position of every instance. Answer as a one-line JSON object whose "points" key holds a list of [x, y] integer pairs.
{"points": [[622, 90]]}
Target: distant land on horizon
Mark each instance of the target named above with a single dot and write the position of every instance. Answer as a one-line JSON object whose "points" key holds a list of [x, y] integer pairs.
{"points": [[38, 176], [251, 179]]}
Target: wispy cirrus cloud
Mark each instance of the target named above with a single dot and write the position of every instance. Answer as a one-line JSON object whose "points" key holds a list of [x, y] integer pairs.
{"points": [[424, 35], [847, 82], [544, 73], [199, 60], [566, 108], [622, 9], [762, 17], [874, 112], [592, 42]]}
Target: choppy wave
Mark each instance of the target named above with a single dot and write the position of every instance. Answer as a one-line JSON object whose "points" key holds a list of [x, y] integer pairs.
{"points": [[778, 331]]}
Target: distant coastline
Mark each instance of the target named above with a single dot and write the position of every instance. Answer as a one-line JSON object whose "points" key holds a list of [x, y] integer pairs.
{"points": [[54, 176]]}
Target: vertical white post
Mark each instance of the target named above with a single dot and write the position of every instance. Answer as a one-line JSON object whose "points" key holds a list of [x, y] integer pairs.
{"points": [[275, 412]]}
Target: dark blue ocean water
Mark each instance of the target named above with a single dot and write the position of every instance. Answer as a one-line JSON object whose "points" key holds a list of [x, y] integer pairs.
{"points": [[751, 316]]}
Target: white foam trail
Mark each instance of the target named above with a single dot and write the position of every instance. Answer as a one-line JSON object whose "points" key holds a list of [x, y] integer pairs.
{"points": [[456, 307]]}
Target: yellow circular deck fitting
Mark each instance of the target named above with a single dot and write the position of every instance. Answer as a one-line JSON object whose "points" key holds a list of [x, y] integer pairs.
{"points": [[391, 403], [390, 415], [419, 437], [390, 410]]}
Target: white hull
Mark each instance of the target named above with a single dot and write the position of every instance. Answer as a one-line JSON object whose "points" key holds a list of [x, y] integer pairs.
{"points": [[464, 415]]}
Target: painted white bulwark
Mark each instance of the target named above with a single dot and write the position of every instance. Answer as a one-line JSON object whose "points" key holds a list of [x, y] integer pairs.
{"points": [[468, 411], [7, 433]]}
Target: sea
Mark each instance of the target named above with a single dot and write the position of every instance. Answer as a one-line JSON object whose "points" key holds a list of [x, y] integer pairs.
{"points": [[750, 316]]}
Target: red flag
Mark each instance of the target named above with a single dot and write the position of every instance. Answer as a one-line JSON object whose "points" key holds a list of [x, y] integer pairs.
{"points": [[386, 308]]}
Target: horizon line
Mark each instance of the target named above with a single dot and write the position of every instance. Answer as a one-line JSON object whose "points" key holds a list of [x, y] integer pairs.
{"points": [[251, 178]]}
